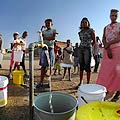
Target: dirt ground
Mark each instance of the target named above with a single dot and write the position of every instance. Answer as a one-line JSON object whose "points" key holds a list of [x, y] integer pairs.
{"points": [[17, 107]]}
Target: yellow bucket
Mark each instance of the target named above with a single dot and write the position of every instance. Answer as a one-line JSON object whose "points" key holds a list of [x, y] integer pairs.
{"points": [[18, 77], [99, 111]]}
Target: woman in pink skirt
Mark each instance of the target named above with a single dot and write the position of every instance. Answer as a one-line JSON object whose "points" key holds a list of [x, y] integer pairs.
{"points": [[109, 74]]}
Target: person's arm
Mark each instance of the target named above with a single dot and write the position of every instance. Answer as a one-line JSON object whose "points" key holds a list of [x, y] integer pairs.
{"points": [[93, 37], [106, 45]]}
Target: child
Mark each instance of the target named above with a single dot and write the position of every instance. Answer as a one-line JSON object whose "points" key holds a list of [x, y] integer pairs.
{"points": [[49, 36], [67, 59], [58, 60], [44, 63], [16, 47]]}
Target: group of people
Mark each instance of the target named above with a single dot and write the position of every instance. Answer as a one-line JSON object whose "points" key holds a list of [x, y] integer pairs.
{"points": [[109, 73]]}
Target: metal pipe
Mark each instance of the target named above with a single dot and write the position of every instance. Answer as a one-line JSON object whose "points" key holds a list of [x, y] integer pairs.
{"points": [[31, 76]]}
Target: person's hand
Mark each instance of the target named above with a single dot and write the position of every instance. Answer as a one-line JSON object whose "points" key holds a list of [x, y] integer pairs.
{"points": [[109, 53], [107, 45]]}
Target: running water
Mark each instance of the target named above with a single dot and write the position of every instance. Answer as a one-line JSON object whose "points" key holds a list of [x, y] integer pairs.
{"points": [[50, 97]]}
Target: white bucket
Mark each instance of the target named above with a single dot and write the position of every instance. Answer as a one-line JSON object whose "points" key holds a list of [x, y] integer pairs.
{"points": [[92, 62], [1, 57], [90, 93], [3, 90], [66, 65], [18, 55]]}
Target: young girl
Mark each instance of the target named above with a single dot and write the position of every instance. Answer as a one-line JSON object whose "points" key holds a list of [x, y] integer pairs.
{"points": [[44, 63], [16, 47], [58, 60], [67, 59], [49, 36]]}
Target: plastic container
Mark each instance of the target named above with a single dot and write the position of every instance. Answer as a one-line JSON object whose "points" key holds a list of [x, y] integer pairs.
{"points": [[66, 65], [18, 77], [64, 106], [18, 55], [90, 93], [3, 90], [99, 111]]}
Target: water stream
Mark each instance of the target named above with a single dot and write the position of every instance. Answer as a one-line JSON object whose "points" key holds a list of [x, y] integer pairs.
{"points": [[50, 97]]}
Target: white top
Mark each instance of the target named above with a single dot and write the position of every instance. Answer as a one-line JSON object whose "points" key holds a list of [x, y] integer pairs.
{"points": [[23, 45]]}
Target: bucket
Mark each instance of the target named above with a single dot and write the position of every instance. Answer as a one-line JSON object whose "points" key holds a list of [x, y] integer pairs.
{"points": [[18, 77], [18, 55], [1, 57], [99, 111], [90, 92], [64, 106], [3, 90]]}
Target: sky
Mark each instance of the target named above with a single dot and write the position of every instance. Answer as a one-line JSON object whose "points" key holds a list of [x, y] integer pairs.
{"points": [[29, 15]]}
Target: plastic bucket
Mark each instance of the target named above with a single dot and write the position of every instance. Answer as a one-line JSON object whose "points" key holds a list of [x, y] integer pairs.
{"points": [[64, 106], [1, 57], [18, 55], [18, 77], [99, 111], [90, 92], [3, 90]]}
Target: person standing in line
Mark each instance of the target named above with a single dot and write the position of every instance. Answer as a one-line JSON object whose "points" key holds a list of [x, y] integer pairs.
{"points": [[68, 59], [76, 58], [87, 40], [109, 74], [23, 45], [1, 46], [96, 54], [49, 36], [16, 47], [58, 59]]}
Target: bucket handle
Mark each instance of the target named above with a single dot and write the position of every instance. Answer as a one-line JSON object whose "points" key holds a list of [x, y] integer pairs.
{"points": [[84, 100]]}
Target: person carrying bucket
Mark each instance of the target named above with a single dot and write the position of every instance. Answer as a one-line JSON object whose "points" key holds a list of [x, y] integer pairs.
{"points": [[49, 36], [16, 47], [23, 48]]}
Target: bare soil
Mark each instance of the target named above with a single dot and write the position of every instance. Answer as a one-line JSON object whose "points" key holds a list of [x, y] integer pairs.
{"points": [[17, 107]]}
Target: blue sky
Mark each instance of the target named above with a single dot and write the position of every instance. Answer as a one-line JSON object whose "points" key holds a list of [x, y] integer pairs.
{"points": [[29, 15]]}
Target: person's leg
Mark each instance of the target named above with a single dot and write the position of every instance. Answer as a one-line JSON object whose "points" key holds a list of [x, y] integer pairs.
{"points": [[64, 73], [116, 96], [81, 63], [69, 73], [42, 74], [81, 77], [88, 77], [52, 59], [97, 60], [87, 58], [23, 63], [11, 64]]}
